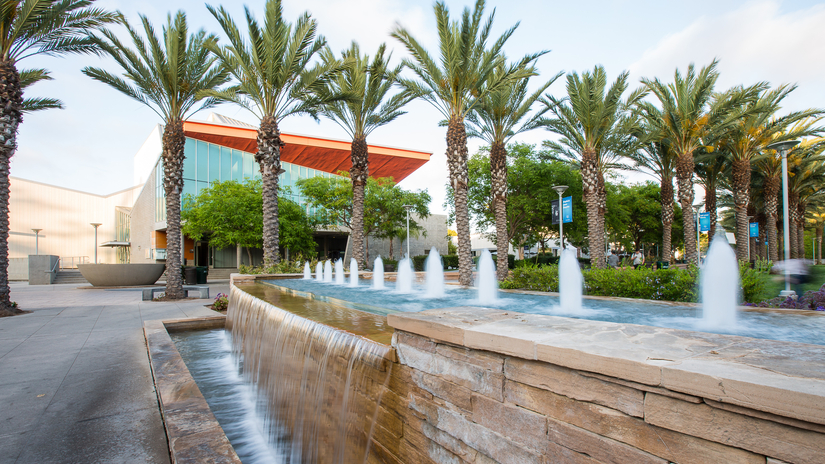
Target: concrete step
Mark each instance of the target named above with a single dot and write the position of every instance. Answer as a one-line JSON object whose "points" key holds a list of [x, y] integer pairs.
{"points": [[69, 277]]}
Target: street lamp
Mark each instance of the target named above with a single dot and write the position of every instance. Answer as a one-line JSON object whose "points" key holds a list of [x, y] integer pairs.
{"points": [[749, 237], [560, 189], [698, 243], [36, 241], [95, 225], [782, 148], [408, 208]]}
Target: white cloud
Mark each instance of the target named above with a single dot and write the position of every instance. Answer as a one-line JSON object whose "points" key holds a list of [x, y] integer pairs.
{"points": [[756, 42]]}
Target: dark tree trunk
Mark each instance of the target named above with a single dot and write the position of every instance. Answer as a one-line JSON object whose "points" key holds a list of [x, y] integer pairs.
{"points": [[457, 163], [684, 176], [593, 192], [771, 192], [269, 159], [498, 170], [358, 175], [819, 230], [173, 155], [800, 224], [11, 104], [667, 219], [741, 197]]}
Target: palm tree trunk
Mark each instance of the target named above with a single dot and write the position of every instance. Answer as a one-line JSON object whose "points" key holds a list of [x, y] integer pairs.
{"points": [[457, 163], [11, 104], [684, 177], [498, 170], [793, 199], [173, 143], [358, 174], [595, 207], [666, 198], [741, 197], [710, 207], [269, 159], [771, 191], [819, 231], [800, 222], [763, 254]]}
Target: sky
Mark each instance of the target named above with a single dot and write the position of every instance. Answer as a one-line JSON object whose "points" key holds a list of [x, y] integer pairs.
{"points": [[90, 145]]}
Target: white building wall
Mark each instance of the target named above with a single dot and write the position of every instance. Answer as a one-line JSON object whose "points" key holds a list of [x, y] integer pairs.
{"points": [[65, 216], [146, 158]]}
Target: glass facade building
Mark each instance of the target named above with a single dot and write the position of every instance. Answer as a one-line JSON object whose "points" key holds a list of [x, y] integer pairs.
{"points": [[207, 162]]}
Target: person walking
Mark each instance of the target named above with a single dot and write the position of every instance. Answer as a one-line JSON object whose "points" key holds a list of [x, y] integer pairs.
{"points": [[638, 259], [612, 259]]}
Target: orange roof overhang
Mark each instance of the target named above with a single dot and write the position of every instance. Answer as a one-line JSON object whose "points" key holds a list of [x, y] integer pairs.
{"points": [[325, 155]]}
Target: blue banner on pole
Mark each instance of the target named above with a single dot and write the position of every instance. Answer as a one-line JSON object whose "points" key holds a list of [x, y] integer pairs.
{"points": [[704, 222], [754, 229], [567, 209]]}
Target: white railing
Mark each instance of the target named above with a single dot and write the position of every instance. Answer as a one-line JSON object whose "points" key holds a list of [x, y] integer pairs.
{"points": [[71, 262]]}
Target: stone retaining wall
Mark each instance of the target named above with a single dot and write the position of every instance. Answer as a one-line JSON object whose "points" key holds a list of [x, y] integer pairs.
{"points": [[482, 386]]}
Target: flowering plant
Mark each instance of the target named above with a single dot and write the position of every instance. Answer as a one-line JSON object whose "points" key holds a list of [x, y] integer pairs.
{"points": [[221, 302]]}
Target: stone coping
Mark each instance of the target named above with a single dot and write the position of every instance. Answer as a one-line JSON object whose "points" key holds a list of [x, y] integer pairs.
{"points": [[192, 431], [781, 378]]}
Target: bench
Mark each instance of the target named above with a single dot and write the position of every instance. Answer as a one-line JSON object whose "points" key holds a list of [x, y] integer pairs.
{"points": [[203, 291]]}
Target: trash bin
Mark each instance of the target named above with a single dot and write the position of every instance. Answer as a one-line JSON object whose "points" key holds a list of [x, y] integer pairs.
{"points": [[202, 272], [190, 276], [662, 264]]}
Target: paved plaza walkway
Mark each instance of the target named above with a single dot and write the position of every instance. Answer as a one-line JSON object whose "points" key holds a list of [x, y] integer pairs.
{"points": [[75, 383]]}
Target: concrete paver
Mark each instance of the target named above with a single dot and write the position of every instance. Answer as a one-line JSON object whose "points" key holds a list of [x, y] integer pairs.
{"points": [[75, 383]]}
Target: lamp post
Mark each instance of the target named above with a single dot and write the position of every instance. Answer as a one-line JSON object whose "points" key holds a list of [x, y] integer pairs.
{"points": [[95, 225], [36, 241], [698, 243], [408, 208], [749, 237], [782, 148], [560, 189]]}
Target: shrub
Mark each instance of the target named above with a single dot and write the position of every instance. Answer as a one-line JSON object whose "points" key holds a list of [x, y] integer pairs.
{"points": [[221, 302], [418, 262], [295, 266], [450, 261], [754, 281], [531, 276]]}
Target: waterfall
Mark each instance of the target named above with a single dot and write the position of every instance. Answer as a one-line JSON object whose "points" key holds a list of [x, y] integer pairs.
{"points": [[317, 386]]}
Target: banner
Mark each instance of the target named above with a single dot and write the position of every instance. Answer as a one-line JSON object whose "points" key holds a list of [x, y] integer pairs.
{"points": [[704, 222], [754, 229], [567, 210]]}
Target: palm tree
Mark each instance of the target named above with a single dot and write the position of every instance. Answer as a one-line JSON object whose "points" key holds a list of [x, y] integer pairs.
{"points": [[688, 115], [368, 85], [274, 81], [30, 28], [816, 218], [454, 85], [501, 115], [709, 168], [748, 136], [169, 75], [596, 129], [769, 168], [807, 169], [657, 156]]}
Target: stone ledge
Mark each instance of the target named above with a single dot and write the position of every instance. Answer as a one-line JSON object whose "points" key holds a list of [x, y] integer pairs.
{"points": [[782, 378], [192, 431]]}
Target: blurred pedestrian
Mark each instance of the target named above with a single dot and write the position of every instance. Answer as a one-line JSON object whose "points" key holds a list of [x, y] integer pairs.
{"points": [[612, 259], [637, 259]]}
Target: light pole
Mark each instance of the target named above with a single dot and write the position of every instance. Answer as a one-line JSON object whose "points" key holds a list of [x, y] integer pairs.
{"points": [[749, 237], [698, 243], [36, 241], [560, 189], [408, 208], [782, 148], [95, 225]]}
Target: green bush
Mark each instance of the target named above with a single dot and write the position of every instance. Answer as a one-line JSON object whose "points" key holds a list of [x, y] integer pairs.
{"points": [[294, 266], [651, 284], [418, 262], [450, 261], [390, 265], [755, 282]]}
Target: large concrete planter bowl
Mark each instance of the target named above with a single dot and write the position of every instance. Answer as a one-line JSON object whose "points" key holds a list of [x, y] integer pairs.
{"points": [[121, 275]]}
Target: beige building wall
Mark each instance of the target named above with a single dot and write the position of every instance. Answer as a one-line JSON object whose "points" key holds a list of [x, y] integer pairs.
{"points": [[65, 216]]}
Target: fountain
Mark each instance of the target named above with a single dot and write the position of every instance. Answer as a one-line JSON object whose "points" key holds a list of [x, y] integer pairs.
{"points": [[378, 274], [570, 283], [719, 286], [319, 272], [435, 275], [328, 271], [307, 271], [339, 272], [353, 273], [404, 276], [486, 282]]}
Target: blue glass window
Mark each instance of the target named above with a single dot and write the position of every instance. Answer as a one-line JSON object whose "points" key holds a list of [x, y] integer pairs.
{"points": [[237, 166], [248, 165], [214, 163], [226, 164], [190, 161], [203, 161], [189, 188]]}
